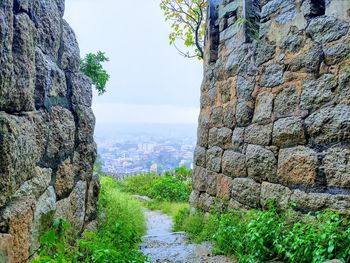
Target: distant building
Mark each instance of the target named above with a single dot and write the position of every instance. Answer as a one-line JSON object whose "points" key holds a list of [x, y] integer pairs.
{"points": [[153, 168]]}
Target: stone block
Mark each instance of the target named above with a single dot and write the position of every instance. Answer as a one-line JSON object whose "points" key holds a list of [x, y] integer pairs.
{"points": [[238, 138], [216, 117], [229, 115], [336, 53], [234, 164], [214, 156], [308, 61], [336, 165], [224, 187], [276, 193], [246, 191], [92, 198], [72, 208], [199, 158], [288, 132], [325, 29], [317, 92], [261, 163], [244, 113], [65, 179], [245, 87], [203, 131], [199, 178], [329, 124], [258, 134], [263, 107], [272, 76], [212, 179], [286, 102], [81, 89], [297, 166], [6, 249]]}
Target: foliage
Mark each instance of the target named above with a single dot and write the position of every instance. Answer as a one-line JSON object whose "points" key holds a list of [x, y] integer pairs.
{"points": [[259, 236], [121, 225], [169, 208], [187, 19], [92, 67], [171, 188]]}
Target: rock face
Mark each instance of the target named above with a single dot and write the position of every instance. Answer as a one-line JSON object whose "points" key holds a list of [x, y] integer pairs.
{"points": [[47, 149], [275, 106]]}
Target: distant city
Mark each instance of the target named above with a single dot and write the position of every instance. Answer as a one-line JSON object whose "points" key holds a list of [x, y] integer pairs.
{"points": [[144, 149]]}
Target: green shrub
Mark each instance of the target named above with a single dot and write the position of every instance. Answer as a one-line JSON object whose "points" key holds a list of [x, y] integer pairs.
{"points": [[121, 225], [258, 236], [169, 188], [162, 188]]}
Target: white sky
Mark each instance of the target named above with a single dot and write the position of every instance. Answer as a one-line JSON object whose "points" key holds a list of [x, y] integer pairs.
{"points": [[150, 82]]}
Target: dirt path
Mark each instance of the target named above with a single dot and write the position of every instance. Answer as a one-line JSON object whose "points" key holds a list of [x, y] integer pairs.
{"points": [[163, 245]]}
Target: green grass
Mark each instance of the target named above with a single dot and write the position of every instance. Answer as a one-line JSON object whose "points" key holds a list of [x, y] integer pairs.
{"points": [[169, 208], [169, 188], [121, 226], [259, 236]]}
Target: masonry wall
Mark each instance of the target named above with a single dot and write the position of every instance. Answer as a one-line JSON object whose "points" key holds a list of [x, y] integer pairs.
{"points": [[47, 149], [275, 106]]}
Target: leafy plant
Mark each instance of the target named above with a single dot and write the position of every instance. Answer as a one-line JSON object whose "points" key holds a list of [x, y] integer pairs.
{"points": [[264, 235], [121, 225], [92, 67], [187, 19]]}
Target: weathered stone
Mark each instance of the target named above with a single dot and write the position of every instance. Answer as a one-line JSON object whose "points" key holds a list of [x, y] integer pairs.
{"points": [[43, 217], [18, 154], [326, 29], [6, 250], [234, 164], [318, 201], [212, 179], [309, 61], [288, 132], [293, 42], [229, 115], [193, 199], [50, 86], [274, 6], [344, 83], [200, 156], [329, 124], [258, 134], [318, 92], [206, 202], [264, 52], [297, 166], [70, 53], [216, 117], [286, 102], [336, 165], [238, 138], [275, 193], [81, 89], [224, 137], [244, 113], [199, 178], [224, 187], [336, 53], [72, 208], [92, 198], [64, 182], [246, 191], [214, 155], [17, 220], [245, 87], [37, 185], [263, 108], [85, 122], [203, 131], [261, 163], [272, 76]]}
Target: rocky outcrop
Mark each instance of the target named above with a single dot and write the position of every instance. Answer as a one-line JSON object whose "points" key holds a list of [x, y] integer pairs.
{"points": [[47, 149], [275, 108]]}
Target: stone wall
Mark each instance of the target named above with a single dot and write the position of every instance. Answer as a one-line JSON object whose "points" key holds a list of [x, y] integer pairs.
{"points": [[275, 106], [47, 148]]}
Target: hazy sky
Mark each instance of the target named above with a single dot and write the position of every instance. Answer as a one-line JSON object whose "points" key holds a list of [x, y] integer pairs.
{"points": [[150, 82]]}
